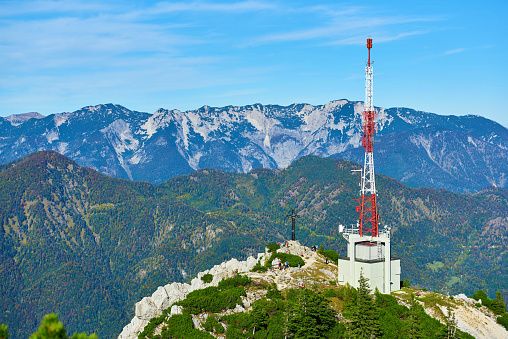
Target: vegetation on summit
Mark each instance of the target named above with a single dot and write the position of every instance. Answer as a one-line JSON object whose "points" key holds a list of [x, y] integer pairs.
{"points": [[309, 313]]}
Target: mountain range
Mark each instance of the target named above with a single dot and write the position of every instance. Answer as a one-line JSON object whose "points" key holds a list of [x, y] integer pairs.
{"points": [[460, 154], [88, 246]]}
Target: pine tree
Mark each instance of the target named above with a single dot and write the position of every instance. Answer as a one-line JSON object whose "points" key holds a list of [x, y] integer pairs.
{"points": [[364, 319], [451, 323], [414, 322], [3, 332], [498, 306], [311, 316], [51, 328]]}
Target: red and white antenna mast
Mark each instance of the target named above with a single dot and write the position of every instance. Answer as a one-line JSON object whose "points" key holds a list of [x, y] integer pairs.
{"points": [[368, 221]]}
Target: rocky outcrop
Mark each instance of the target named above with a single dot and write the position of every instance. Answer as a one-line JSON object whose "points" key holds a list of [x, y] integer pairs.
{"points": [[477, 321], [165, 296]]}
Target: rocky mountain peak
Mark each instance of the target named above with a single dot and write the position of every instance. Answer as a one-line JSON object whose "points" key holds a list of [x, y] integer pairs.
{"points": [[18, 119]]}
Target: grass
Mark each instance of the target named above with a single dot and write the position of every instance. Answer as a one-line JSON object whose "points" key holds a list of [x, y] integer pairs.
{"points": [[435, 266]]}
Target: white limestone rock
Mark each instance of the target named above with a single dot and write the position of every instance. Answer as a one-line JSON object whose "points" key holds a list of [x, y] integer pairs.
{"points": [[160, 298], [238, 309], [131, 330], [146, 309], [175, 309]]}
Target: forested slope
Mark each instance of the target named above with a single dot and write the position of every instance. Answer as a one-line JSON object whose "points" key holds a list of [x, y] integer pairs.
{"points": [[89, 246]]}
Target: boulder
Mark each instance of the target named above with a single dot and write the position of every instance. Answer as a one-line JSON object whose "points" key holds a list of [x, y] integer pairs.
{"points": [[146, 309], [160, 298], [175, 309], [131, 330]]}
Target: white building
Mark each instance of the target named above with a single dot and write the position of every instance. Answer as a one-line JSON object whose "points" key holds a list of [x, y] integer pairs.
{"points": [[372, 256]]}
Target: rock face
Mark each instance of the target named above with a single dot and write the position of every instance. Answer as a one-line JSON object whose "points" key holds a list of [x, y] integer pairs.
{"points": [[461, 154], [165, 296]]}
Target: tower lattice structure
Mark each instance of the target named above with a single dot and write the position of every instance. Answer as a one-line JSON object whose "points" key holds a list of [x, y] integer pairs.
{"points": [[368, 221]]}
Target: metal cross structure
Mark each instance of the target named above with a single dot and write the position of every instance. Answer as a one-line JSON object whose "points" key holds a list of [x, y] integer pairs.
{"points": [[293, 217], [367, 207]]}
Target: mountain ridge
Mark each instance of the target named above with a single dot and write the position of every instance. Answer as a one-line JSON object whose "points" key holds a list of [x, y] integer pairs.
{"points": [[464, 154]]}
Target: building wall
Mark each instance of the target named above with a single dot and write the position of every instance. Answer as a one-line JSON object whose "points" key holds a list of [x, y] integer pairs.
{"points": [[374, 271]]}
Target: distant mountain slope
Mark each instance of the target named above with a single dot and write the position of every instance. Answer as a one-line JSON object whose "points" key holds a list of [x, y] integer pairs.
{"points": [[461, 154], [88, 246]]}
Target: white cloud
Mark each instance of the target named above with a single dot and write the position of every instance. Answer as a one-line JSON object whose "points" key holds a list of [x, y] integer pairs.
{"points": [[454, 51], [349, 27]]}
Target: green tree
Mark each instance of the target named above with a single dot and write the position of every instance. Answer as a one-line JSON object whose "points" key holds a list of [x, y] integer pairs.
{"points": [[498, 306], [451, 323], [415, 319], [364, 317], [406, 283], [51, 328], [481, 295], [310, 316], [3, 332]]}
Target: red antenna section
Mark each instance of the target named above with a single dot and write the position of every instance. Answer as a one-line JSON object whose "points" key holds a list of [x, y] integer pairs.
{"points": [[369, 46], [368, 218]]}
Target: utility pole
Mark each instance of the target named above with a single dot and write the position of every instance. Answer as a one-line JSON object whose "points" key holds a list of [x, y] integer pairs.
{"points": [[293, 217]]}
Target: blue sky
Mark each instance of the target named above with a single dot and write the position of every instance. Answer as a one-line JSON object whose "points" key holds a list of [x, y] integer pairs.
{"points": [[445, 57]]}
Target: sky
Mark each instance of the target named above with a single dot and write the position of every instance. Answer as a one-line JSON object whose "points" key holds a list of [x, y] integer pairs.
{"points": [[444, 57]]}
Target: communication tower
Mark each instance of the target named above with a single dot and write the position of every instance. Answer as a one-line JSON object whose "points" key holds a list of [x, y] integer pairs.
{"points": [[369, 248]]}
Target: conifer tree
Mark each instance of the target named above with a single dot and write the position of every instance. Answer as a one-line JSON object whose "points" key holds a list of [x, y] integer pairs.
{"points": [[451, 323], [414, 323], [3, 332], [51, 328], [311, 316], [498, 306], [364, 319]]}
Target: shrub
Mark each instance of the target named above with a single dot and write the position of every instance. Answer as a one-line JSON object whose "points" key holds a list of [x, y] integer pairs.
{"points": [[329, 293], [480, 295], [332, 255], [478, 305], [212, 325], [273, 292], [154, 322], [503, 320], [406, 283], [292, 259], [180, 326], [272, 248], [238, 280], [451, 297], [207, 278], [259, 268], [212, 299], [333, 282]]}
